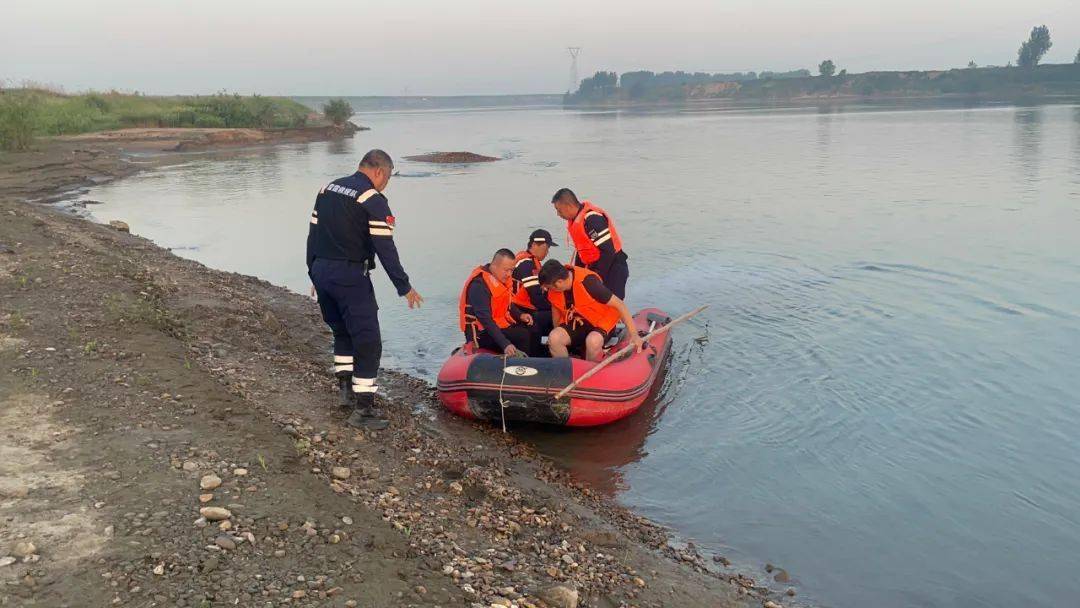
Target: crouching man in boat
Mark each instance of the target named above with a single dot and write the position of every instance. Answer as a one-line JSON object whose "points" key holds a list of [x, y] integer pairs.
{"points": [[350, 225], [486, 313], [595, 238], [585, 310], [528, 295]]}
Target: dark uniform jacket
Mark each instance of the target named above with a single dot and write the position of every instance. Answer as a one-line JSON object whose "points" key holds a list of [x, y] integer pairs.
{"points": [[352, 221], [525, 274]]}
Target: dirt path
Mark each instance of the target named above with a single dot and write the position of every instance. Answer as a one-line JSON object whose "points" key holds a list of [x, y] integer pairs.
{"points": [[138, 388]]}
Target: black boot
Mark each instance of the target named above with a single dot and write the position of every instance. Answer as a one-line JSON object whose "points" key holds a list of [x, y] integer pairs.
{"points": [[345, 384], [366, 415]]}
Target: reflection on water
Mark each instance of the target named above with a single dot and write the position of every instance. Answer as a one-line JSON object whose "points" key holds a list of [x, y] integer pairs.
{"points": [[337, 147], [824, 140], [883, 398], [1076, 146], [1026, 148], [599, 456]]}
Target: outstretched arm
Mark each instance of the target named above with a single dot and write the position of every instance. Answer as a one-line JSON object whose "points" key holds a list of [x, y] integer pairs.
{"points": [[628, 320], [601, 293], [381, 226]]}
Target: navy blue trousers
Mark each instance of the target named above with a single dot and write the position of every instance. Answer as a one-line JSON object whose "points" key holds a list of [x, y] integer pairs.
{"points": [[616, 278], [347, 301]]}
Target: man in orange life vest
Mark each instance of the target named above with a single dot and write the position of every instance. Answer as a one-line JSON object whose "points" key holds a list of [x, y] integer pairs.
{"points": [[485, 311], [596, 240], [586, 311], [528, 295]]}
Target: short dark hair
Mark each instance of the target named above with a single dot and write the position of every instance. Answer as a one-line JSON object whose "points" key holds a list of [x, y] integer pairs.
{"points": [[551, 271], [565, 193], [503, 253], [377, 159]]}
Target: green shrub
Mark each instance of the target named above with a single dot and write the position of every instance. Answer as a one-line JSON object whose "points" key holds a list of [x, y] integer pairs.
{"points": [[262, 111], [141, 118], [229, 108], [206, 121], [338, 111], [17, 117], [97, 102]]}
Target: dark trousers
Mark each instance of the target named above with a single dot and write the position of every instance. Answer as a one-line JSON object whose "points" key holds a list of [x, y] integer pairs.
{"points": [[616, 277], [542, 321], [347, 301], [541, 328], [521, 336]]}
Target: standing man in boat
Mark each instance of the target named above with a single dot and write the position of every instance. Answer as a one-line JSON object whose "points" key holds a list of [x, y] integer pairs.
{"points": [[351, 225], [585, 309], [595, 238], [487, 314], [528, 295]]}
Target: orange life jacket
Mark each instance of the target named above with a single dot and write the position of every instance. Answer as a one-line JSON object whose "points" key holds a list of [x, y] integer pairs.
{"points": [[582, 305], [521, 291], [500, 302], [587, 250]]}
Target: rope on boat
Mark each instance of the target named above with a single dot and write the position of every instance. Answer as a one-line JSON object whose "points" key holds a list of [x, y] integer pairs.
{"points": [[502, 403]]}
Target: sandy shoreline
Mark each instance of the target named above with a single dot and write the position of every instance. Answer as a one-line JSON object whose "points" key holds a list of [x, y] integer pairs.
{"points": [[131, 374]]}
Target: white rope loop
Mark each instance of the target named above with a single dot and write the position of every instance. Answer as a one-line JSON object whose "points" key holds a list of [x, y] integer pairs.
{"points": [[502, 403]]}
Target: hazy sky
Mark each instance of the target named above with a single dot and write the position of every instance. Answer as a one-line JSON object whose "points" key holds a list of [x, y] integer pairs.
{"points": [[444, 47]]}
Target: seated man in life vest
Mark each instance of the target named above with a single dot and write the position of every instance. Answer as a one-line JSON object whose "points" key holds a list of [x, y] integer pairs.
{"points": [[486, 314], [585, 310], [528, 294]]}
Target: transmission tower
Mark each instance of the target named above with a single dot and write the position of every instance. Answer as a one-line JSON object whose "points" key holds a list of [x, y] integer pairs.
{"points": [[574, 50]]}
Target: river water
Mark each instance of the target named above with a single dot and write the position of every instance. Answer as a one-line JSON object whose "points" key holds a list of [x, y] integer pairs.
{"points": [[882, 398]]}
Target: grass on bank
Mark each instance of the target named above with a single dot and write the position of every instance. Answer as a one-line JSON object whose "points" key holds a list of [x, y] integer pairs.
{"points": [[27, 113]]}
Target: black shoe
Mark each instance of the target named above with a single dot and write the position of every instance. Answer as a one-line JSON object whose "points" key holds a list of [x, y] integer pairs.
{"points": [[347, 395], [366, 415], [366, 419]]}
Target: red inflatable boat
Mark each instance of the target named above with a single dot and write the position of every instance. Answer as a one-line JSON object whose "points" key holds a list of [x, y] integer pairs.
{"points": [[472, 382]]}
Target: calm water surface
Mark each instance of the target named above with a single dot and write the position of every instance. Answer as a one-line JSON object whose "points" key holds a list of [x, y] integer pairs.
{"points": [[882, 398]]}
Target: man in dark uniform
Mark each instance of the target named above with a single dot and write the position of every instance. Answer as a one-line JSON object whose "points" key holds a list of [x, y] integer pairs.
{"points": [[593, 234], [351, 225], [528, 294], [487, 314]]}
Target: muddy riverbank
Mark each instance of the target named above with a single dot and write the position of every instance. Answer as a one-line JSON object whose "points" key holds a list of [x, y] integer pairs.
{"points": [[171, 439]]}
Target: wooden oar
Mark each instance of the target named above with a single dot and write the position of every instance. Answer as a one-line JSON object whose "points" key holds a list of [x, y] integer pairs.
{"points": [[622, 351]]}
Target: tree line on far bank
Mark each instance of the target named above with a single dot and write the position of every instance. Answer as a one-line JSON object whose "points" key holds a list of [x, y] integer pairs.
{"points": [[669, 86]]}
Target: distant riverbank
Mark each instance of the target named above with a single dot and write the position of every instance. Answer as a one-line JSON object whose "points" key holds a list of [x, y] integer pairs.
{"points": [[994, 83], [28, 113], [428, 102]]}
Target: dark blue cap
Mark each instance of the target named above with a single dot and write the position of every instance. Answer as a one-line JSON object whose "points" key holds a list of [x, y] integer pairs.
{"points": [[542, 236]]}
